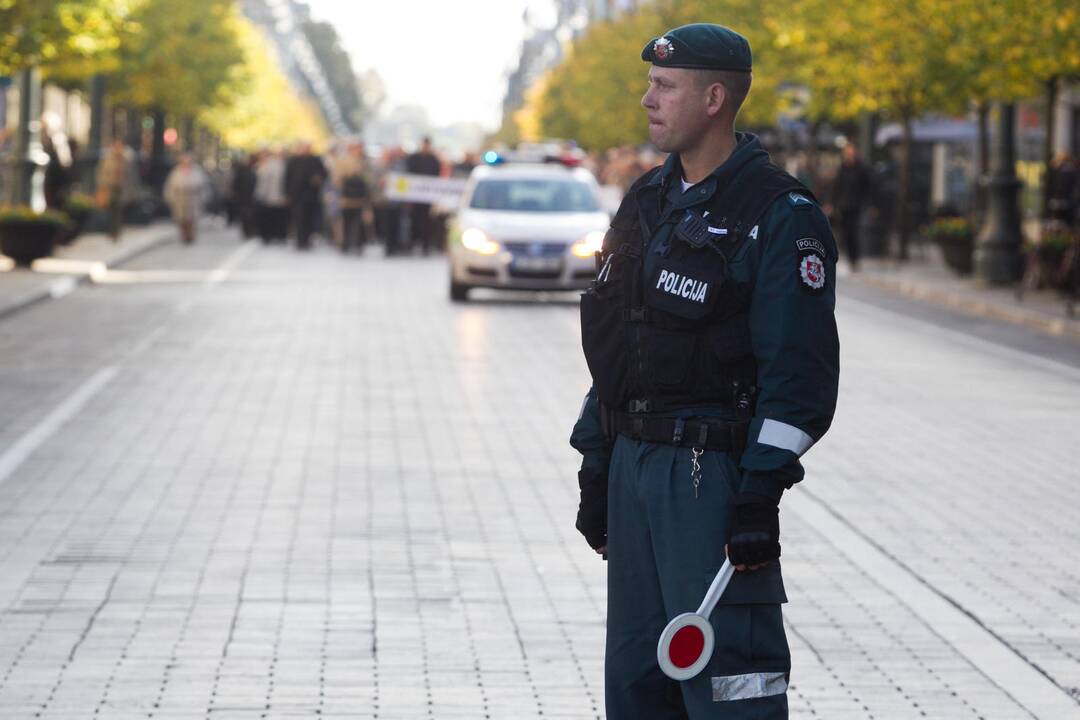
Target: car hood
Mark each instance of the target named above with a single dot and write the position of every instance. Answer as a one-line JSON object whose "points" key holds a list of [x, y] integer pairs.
{"points": [[511, 226]]}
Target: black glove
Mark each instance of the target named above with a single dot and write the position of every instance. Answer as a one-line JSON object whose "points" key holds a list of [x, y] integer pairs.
{"points": [[755, 530], [592, 510]]}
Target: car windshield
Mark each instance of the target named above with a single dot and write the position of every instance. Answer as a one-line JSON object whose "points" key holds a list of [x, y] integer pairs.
{"points": [[533, 195]]}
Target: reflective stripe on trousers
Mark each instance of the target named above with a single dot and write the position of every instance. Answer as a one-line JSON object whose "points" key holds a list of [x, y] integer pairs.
{"points": [[748, 687]]}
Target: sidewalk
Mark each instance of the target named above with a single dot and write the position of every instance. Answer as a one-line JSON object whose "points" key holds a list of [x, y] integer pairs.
{"points": [[926, 278], [75, 263]]}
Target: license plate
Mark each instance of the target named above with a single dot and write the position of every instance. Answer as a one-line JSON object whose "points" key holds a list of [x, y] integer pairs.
{"points": [[535, 264]]}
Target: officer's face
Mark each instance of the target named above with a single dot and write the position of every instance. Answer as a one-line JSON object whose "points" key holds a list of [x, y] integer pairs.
{"points": [[675, 104]]}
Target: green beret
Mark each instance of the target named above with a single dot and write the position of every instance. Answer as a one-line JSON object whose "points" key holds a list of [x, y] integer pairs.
{"points": [[701, 45]]}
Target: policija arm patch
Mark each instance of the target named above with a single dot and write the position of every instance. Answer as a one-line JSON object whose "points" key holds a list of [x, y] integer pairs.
{"points": [[811, 265]]}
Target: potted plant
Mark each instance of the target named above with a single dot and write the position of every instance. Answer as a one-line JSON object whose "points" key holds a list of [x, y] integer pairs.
{"points": [[26, 235], [1049, 253], [956, 238], [78, 208]]}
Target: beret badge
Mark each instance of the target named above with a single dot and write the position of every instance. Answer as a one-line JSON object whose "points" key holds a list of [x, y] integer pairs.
{"points": [[663, 49]]}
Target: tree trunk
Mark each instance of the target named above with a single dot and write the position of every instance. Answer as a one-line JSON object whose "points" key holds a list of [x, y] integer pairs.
{"points": [[134, 130], [982, 164], [867, 129], [96, 139], [158, 165], [903, 189], [187, 133], [812, 157], [1048, 145]]}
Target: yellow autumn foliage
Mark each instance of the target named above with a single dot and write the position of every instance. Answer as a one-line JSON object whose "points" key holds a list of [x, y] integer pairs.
{"points": [[897, 58], [267, 110]]}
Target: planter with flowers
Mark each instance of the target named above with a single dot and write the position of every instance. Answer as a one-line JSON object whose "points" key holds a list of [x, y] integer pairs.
{"points": [[26, 235], [956, 238]]}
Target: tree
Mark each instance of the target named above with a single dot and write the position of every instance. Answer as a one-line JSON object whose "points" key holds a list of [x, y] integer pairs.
{"points": [[594, 94], [55, 32], [178, 57], [338, 70], [875, 57], [267, 109]]}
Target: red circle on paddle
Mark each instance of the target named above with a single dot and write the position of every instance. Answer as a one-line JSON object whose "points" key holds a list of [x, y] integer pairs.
{"points": [[686, 646]]}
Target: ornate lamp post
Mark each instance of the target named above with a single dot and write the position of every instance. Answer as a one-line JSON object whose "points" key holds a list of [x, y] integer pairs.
{"points": [[997, 249]]}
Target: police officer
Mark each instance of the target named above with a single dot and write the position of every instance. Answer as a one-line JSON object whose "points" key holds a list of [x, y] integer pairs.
{"points": [[710, 337]]}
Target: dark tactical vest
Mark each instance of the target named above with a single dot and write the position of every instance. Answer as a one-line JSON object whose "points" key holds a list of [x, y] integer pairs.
{"points": [[679, 338]]}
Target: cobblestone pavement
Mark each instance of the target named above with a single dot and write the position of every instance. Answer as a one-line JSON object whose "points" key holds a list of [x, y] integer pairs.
{"points": [[266, 484]]}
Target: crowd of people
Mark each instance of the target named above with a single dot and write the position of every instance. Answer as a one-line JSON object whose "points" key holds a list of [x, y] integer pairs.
{"points": [[337, 196], [278, 194]]}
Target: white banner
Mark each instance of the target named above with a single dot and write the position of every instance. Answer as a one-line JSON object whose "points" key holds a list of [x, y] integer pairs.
{"points": [[425, 189]]}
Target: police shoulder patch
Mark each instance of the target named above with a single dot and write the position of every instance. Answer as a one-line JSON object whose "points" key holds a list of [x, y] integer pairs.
{"points": [[811, 264], [809, 243], [798, 200]]}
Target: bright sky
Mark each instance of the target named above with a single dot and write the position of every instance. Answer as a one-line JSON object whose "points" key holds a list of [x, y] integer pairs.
{"points": [[449, 57]]}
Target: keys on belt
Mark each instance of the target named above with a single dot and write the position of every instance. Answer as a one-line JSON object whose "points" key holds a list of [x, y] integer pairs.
{"points": [[701, 433]]}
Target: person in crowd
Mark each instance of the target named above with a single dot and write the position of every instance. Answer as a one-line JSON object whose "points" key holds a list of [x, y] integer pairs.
{"points": [[389, 214], [271, 204], [114, 170], [465, 165], [1063, 189], [423, 162], [242, 193], [57, 182], [852, 193], [355, 196], [305, 175], [187, 190]]}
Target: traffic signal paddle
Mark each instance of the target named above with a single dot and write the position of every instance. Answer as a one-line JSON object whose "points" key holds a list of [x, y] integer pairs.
{"points": [[687, 642]]}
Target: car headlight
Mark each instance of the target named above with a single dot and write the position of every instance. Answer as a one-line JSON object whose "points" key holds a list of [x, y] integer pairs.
{"points": [[477, 240], [589, 245]]}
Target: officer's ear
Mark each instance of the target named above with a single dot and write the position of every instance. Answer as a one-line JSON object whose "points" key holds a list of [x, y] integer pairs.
{"points": [[714, 101], [715, 92]]}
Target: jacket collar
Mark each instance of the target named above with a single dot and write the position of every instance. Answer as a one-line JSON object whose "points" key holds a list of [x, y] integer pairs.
{"points": [[747, 150]]}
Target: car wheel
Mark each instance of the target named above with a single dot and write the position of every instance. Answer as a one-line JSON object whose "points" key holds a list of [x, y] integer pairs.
{"points": [[459, 292]]}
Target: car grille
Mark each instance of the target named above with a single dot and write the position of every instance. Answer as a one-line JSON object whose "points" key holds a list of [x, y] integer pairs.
{"points": [[536, 249], [535, 274]]}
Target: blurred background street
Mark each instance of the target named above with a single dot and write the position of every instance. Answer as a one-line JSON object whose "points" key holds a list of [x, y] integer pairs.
{"points": [[290, 352]]}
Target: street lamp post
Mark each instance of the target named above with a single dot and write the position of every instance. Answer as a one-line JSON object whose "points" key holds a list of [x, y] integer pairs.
{"points": [[92, 154], [997, 251], [28, 135]]}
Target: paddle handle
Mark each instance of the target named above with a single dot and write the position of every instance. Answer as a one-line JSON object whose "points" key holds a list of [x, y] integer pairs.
{"points": [[716, 589]]}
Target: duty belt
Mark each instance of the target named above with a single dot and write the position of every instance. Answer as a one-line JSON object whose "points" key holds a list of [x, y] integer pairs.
{"points": [[703, 433]]}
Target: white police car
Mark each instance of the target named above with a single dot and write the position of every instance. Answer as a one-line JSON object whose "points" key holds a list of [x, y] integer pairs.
{"points": [[527, 226]]}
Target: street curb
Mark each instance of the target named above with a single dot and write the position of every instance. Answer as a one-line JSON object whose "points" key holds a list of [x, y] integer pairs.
{"points": [[1060, 327], [64, 284]]}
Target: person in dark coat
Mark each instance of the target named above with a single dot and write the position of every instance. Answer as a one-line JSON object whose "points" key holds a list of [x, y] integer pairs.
{"points": [[243, 194], [305, 175], [712, 345], [851, 194], [57, 177], [1063, 189], [423, 162]]}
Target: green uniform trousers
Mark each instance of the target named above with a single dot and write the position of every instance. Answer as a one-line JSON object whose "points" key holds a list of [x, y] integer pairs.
{"points": [[664, 547]]}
